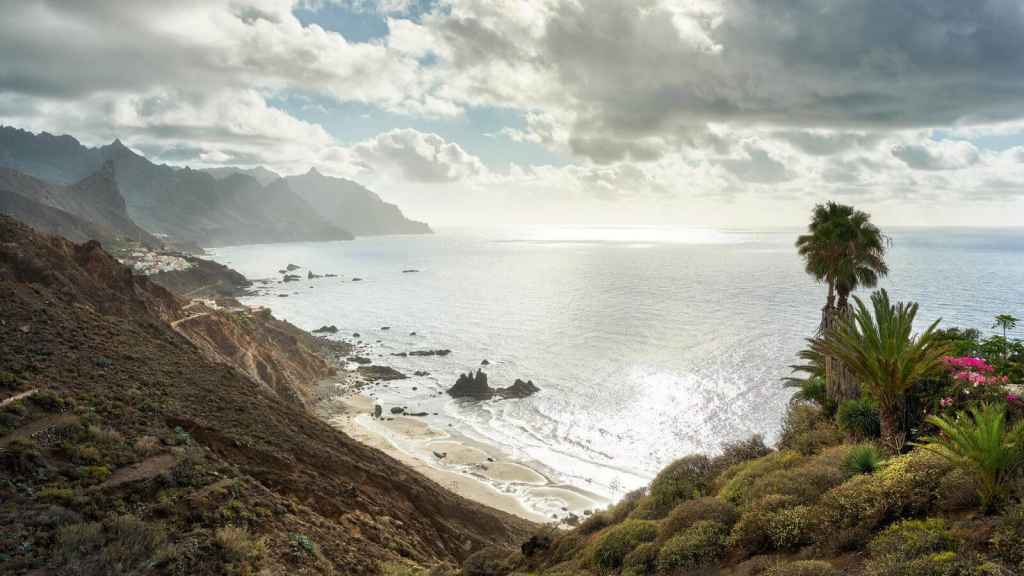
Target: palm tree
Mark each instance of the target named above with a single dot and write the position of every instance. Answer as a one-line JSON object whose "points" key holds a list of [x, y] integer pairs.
{"points": [[981, 444], [1007, 322], [883, 354], [843, 249]]}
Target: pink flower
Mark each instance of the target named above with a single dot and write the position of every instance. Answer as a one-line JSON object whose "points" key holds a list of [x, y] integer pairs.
{"points": [[1012, 398], [946, 402]]}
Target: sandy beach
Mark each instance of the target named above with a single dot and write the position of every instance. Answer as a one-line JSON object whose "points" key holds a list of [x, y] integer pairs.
{"points": [[470, 469]]}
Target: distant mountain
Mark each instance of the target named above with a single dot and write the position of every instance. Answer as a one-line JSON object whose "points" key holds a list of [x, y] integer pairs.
{"points": [[188, 206], [261, 174], [353, 207], [193, 205], [90, 208]]}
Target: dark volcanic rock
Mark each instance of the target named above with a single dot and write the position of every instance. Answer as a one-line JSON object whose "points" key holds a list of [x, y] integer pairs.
{"points": [[310, 275], [430, 352], [332, 329], [485, 362], [361, 360], [397, 410], [380, 373], [291, 278], [292, 267], [410, 271], [474, 386]]}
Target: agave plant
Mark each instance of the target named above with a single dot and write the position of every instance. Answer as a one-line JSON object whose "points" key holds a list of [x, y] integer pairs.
{"points": [[981, 443], [884, 355]]}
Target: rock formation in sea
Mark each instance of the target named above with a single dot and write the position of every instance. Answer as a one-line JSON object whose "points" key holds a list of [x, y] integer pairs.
{"points": [[473, 385]]}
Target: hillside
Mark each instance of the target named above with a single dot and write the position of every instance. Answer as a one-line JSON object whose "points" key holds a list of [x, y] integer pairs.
{"points": [[353, 207], [138, 435], [94, 199]]}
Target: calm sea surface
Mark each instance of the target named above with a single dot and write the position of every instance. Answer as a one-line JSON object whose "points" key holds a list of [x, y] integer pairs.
{"points": [[647, 343]]}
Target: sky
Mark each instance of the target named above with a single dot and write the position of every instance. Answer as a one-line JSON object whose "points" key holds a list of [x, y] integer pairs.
{"points": [[731, 113]]}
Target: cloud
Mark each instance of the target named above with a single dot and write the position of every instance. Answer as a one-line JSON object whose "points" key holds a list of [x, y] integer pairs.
{"points": [[943, 155], [419, 157]]}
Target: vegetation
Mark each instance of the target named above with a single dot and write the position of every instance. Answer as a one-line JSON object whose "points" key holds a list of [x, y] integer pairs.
{"points": [[859, 419], [843, 249], [984, 445], [886, 357], [863, 459]]}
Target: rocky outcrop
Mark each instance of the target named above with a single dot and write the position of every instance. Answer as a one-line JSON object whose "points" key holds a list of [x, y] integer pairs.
{"points": [[380, 373], [203, 279], [474, 386]]}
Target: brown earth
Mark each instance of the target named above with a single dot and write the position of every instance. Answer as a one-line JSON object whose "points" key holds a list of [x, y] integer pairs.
{"points": [[160, 450]]}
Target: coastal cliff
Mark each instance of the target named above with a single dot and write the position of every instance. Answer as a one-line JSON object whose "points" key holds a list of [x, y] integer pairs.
{"points": [[140, 435]]}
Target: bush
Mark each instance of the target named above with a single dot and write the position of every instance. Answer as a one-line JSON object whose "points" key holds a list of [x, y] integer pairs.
{"points": [[120, 546], [754, 531], [642, 561], [489, 562], [741, 476], [692, 511], [698, 546], [47, 400], [803, 568], [862, 459], [907, 486], [684, 479], [239, 545], [859, 418], [806, 482], [740, 451], [807, 429], [913, 547], [1008, 538], [610, 547]]}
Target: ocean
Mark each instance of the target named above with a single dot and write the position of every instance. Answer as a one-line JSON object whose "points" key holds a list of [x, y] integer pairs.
{"points": [[647, 343]]}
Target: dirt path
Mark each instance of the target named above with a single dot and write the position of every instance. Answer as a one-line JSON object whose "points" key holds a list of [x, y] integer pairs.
{"points": [[148, 468], [37, 426], [187, 318], [17, 397]]}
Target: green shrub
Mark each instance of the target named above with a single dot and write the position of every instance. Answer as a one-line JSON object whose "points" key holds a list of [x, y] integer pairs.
{"points": [[803, 568], [806, 482], [239, 545], [739, 451], [742, 476], [806, 429], [698, 546], [791, 528], [859, 418], [1008, 538], [610, 547], [59, 495], [906, 487], [304, 544], [47, 400], [122, 545], [94, 474], [690, 512], [913, 547], [594, 523], [685, 479], [642, 561], [863, 459], [755, 531], [489, 561], [984, 444]]}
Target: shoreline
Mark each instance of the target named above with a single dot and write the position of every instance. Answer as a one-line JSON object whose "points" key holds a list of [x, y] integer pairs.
{"points": [[471, 469]]}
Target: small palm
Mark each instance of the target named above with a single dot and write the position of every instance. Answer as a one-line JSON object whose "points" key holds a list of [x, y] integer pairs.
{"points": [[981, 443]]}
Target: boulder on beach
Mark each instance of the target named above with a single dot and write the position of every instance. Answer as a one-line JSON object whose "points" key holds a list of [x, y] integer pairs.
{"points": [[474, 386], [361, 360], [292, 267], [291, 278], [357, 279], [310, 275], [410, 271], [397, 410], [332, 329], [380, 373], [378, 410], [485, 362]]}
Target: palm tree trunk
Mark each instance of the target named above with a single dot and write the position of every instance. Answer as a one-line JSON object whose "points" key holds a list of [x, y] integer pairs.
{"points": [[840, 384], [891, 436]]}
